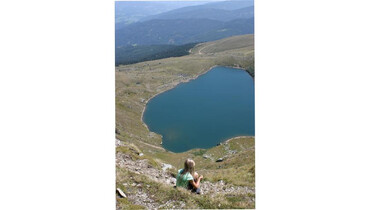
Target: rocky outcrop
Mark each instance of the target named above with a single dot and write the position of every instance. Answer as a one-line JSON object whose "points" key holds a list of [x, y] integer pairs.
{"points": [[143, 167]]}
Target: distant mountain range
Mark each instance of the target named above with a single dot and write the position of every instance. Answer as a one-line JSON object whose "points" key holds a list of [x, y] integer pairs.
{"points": [[147, 26], [206, 13], [127, 12], [223, 11]]}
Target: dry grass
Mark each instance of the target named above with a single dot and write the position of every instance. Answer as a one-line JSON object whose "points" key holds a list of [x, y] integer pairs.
{"points": [[169, 197], [231, 43]]}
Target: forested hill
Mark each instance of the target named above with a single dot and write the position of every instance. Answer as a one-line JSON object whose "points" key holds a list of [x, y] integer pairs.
{"points": [[181, 31], [134, 54]]}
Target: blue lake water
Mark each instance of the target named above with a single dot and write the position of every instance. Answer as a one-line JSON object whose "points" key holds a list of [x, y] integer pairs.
{"points": [[201, 113]]}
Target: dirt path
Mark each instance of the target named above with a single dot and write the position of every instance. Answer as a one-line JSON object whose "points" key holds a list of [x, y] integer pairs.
{"points": [[157, 147], [118, 143], [200, 50]]}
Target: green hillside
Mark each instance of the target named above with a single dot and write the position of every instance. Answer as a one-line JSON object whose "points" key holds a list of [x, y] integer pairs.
{"points": [[140, 156]]}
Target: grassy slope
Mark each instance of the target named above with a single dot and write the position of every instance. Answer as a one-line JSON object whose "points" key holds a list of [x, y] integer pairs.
{"points": [[162, 193], [137, 83]]}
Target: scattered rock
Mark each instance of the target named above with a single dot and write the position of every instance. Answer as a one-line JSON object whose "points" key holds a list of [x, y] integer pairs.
{"points": [[141, 154], [166, 166], [219, 160], [151, 135], [121, 193], [118, 143], [138, 195], [206, 156]]}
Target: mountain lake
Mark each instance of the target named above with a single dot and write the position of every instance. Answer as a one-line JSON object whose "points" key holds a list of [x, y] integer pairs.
{"points": [[203, 112]]}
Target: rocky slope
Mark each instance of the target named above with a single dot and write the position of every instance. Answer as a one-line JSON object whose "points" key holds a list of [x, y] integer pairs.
{"points": [[142, 171]]}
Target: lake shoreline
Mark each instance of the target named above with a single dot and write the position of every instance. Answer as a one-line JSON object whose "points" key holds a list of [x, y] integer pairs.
{"points": [[174, 86]]}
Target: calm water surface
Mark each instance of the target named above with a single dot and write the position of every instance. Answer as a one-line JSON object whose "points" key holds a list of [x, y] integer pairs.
{"points": [[203, 112]]}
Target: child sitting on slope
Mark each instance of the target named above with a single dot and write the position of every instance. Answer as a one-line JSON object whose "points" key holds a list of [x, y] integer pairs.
{"points": [[188, 178]]}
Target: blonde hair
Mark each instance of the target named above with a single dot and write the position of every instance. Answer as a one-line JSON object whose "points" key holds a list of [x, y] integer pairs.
{"points": [[188, 167]]}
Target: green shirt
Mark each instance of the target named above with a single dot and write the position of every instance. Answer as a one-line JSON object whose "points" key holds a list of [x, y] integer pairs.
{"points": [[182, 180]]}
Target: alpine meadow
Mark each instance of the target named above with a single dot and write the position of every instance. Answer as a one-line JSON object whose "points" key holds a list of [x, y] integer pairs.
{"points": [[184, 83]]}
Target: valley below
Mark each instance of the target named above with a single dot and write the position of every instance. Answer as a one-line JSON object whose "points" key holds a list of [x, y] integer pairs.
{"points": [[228, 167]]}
